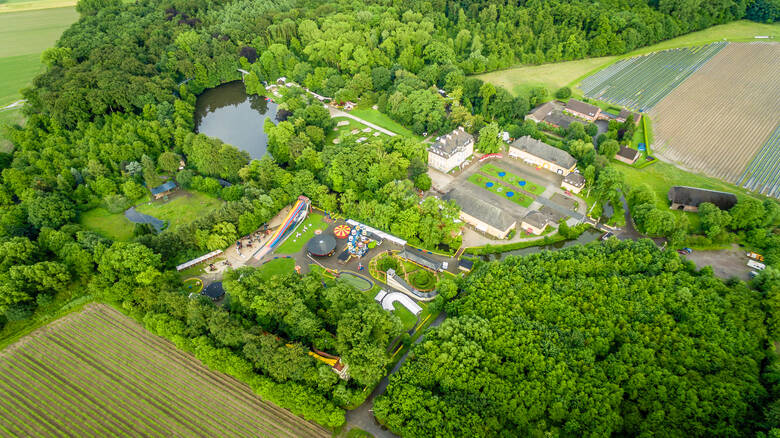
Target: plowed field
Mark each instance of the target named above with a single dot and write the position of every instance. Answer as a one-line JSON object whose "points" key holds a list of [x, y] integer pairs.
{"points": [[717, 120], [98, 373]]}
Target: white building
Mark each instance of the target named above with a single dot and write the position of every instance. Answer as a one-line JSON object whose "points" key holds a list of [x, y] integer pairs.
{"points": [[451, 150], [542, 155]]}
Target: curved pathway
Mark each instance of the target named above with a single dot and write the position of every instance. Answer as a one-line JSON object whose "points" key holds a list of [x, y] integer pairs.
{"points": [[139, 218]]}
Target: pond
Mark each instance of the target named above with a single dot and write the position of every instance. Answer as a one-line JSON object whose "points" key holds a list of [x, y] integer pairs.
{"points": [[229, 114], [588, 236]]}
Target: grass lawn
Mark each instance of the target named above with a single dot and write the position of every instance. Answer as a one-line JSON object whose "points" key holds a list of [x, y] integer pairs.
{"points": [[407, 318], [512, 179], [520, 79], [277, 267], [25, 35], [114, 226], [185, 206], [383, 120], [351, 124], [494, 187], [193, 285], [294, 244]]}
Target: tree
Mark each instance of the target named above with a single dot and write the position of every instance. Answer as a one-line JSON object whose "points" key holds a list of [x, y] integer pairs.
{"points": [[713, 220], [563, 93], [133, 190], [489, 141], [609, 148], [168, 161], [423, 182], [747, 214], [49, 210]]}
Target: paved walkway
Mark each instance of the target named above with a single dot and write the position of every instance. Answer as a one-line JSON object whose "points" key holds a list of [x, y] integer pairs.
{"points": [[16, 104], [363, 416], [335, 112]]}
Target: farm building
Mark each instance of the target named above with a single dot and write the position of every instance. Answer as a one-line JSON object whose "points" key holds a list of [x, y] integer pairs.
{"points": [[542, 155], [322, 245], [421, 260], [162, 190], [689, 198], [583, 110], [552, 114], [573, 182], [451, 150], [534, 222], [627, 155], [483, 216]]}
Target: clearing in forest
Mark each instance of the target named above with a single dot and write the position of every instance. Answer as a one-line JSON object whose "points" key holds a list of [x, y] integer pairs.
{"points": [[718, 119], [98, 373]]}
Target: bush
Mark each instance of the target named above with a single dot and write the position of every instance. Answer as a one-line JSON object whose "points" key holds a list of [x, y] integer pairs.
{"points": [[422, 280], [386, 263], [563, 93]]}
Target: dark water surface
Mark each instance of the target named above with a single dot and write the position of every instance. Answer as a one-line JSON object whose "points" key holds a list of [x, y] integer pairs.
{"points": [[229, 114]]}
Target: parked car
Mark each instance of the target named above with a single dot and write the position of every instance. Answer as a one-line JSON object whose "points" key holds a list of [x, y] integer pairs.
{"points": [[756, 265], [607, 235], [755, 256], [687, 250]]}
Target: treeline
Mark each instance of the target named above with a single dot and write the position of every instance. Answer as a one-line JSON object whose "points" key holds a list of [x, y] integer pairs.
{"points": [[617, 338]]}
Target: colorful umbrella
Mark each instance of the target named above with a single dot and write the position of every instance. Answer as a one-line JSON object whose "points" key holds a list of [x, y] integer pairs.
{"points": [[341, 231]]}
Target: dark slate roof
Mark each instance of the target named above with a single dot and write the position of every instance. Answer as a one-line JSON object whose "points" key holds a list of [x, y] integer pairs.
{"points": [[541, 111], [482, 210], [214, 290], [170, 185], [582, 107], [421, 260], [449, 144], [537, 219], [544, 151], [575, 179], [224, 183], [693, 196], [322, 244], [560, 119], [628, 153], [466, 264]]}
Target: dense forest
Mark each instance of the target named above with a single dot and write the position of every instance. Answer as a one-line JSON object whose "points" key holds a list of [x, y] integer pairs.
{"points": [[112, 116], [613, 339]]}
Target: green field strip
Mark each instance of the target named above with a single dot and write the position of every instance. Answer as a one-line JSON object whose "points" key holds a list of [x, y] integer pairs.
{"points": [[94, 422], [229, 385], [115, 360], [11, 416], [152, 374], [82, 384], [512, 179], [116, 387], [11, 392], [112, 375]]}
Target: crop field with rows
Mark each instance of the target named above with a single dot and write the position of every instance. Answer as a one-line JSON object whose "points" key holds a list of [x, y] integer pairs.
{"points": [[716, 122], [763, 173], [98, 373], [641, 82]]}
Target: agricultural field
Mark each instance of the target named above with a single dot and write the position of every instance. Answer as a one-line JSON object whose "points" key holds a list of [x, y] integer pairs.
{"points": [[98, 373], [716, 122], [763, 172], [641, 82], [521, 79]]}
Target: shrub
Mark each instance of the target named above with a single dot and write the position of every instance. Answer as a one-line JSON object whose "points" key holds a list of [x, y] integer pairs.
{"points": [[563, 93], [386, 263]]}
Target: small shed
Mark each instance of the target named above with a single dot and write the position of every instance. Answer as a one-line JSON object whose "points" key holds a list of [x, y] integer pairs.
{"points": [[164, 189], [465, 265]]}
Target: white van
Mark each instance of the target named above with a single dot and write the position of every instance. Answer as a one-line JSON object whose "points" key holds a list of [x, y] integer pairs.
{"points": [[756, 265]]}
